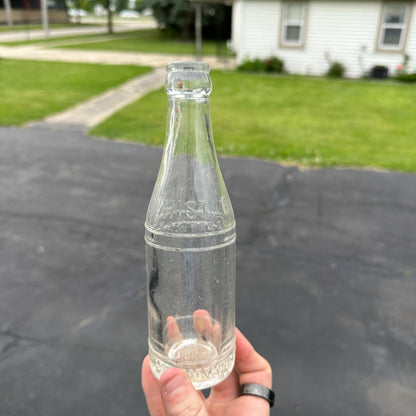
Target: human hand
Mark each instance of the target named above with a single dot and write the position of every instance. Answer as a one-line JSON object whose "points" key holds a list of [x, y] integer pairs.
{"points": [[174, 394]]}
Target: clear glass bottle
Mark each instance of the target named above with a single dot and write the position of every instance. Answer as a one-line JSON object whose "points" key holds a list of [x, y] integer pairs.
{"points": [[190, 241]]}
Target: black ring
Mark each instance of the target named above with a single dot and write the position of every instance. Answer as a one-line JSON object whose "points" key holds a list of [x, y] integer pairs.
{"points": [[251, 389]]}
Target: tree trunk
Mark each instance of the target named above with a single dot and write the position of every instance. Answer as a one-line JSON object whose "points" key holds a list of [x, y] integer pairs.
{"points": [[109, 16], [186, 31]]}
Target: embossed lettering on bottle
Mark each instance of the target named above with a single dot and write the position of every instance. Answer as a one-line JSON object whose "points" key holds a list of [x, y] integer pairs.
{"points": [[197, 216]]}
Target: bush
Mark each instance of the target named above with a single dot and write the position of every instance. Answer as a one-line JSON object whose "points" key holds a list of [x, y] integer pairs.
{"points": [[336, 70], [272, 64], [406, 77], [253, 65]]}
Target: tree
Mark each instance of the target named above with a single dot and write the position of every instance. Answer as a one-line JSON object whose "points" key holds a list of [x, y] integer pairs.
{"points": [[175, 15], [178, 16], [108, 7], [121, 5], [88, 6]]}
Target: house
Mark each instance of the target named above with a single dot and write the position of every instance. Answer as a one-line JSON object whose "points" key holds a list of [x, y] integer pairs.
{"points": [[28, 11], [309, 35]]}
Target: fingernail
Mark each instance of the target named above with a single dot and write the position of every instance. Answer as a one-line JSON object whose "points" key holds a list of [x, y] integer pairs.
{"points": [[174, 384]]}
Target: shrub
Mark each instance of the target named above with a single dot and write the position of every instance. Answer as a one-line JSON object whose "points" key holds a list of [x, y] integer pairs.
{"points": [[336, 70], [406, 77], [252, 65], [272, 64]]}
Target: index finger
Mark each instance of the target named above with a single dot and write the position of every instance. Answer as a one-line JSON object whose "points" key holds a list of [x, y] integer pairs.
{"points": [[252, 366]]}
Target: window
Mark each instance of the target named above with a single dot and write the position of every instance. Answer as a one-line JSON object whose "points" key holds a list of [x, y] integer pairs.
{"points": [[393, 26], [293, 24]]}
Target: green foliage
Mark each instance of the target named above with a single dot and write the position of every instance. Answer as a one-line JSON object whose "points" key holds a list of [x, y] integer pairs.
{"points": [[272, 64], [402, 74], [87, 5], [140, 5], [121, 5], [252, 65], [406, 77], [336, 70], [175, 15], [216, 21], [309, 121]]}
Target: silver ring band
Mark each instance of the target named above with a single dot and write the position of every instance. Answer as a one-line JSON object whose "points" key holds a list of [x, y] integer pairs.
{"points": [[251, 389]]}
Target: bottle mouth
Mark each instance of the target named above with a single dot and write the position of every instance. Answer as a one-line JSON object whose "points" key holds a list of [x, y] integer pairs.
{"points": [[188, 79], [184, 66]]}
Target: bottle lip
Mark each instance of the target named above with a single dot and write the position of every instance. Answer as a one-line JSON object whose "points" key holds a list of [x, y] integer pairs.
{"points": [[182, 66]]}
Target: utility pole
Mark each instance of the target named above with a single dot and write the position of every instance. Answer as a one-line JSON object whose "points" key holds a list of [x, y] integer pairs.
{"points": [[8, 9], [198, 29], [45, 18]]}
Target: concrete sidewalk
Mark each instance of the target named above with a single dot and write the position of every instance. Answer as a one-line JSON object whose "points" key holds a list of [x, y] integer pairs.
{"points": [[326, 279], [33, 52], [88, 114]]}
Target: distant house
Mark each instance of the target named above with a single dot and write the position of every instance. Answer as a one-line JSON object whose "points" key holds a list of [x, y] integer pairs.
{"points": [[308, 35], [28, 11]]}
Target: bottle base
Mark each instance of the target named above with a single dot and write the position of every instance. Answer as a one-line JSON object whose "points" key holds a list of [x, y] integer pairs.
{"points": [[210, 369]]}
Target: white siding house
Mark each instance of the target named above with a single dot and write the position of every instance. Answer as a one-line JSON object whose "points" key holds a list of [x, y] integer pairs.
{"points": [[307, 35]]}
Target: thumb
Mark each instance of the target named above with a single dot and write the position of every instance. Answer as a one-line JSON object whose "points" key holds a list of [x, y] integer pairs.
{"points": [[179, 396]]}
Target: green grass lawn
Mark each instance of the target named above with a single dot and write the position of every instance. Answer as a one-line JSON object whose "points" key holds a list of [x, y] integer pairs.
{"points": [[31, 90], [150, 41], [309, 121]]}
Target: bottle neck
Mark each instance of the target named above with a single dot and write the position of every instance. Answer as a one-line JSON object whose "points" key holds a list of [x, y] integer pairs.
{"points": [[189, 131]]}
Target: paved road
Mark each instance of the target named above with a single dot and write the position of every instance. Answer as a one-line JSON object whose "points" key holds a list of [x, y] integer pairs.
{"points": [[326, 279], [31, 34]]}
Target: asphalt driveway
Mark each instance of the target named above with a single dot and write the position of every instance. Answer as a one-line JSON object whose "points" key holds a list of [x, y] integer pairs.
{"points": [[326, 279]]}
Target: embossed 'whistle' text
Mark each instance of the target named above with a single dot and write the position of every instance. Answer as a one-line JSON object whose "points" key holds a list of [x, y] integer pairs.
{"points": [[198, 215]]}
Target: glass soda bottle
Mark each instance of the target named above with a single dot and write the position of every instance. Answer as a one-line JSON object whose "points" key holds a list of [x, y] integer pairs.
{"points": [[190, 241]]}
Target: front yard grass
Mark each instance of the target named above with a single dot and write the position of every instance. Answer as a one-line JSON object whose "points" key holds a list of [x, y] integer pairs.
{"points": [[147, 41], [303, 120], [151, 41], [31, 90]]}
